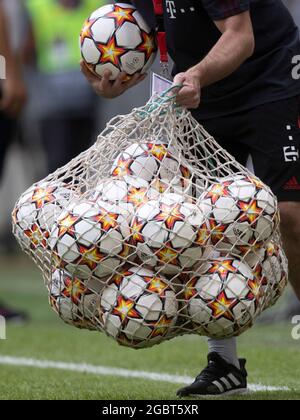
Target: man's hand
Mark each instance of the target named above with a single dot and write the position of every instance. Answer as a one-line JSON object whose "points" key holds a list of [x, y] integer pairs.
{"points": [[14, 96], [106, 88], [189, 95]]}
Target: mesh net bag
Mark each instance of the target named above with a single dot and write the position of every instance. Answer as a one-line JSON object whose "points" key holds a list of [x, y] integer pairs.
{"points": [[154, 232]]}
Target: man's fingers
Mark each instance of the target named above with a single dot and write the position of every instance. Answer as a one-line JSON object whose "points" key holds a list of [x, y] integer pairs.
{"points": [[92, 78]]}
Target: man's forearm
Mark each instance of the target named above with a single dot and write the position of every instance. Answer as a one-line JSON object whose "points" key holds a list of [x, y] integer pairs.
{"points": [[225, 57]]}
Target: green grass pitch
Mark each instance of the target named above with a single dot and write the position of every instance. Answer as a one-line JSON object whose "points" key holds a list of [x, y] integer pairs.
{"points": [[273, 356]]}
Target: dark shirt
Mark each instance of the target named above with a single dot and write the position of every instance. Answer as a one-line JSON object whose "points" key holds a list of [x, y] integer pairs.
{"points": [[265, 77]]}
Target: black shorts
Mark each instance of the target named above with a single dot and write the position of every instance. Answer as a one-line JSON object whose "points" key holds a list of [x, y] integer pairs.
{"points": [[7, 127], [270, 134]]}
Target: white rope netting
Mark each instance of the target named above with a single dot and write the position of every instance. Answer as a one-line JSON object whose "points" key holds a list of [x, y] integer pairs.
{"points": [[154, 232]]}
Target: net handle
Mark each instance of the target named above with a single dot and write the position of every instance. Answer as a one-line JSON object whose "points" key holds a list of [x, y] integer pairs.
{"points": [[165, 97]]}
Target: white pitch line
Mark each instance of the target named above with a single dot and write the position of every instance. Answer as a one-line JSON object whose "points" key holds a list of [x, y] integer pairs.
{"points": [[110, 371]]}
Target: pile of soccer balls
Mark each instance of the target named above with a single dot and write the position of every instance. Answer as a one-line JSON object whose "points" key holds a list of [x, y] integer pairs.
{"points": [[144, 256]]}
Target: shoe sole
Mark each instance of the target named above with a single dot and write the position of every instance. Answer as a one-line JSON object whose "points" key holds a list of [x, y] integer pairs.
{"points": [[242, 391]]}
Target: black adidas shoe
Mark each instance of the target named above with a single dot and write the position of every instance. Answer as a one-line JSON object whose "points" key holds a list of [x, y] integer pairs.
{"points": [[219, 378]]}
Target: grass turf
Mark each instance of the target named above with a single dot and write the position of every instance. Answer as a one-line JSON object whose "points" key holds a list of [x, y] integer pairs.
{"points": [[273, 356]]}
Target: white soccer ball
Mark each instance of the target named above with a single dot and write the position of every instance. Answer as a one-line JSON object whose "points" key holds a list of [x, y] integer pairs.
{"points": [[156, 163], [36, 211], [242, 213], [223, 298], [168, 234], [117, 38], [138, 308], [75, 302], [91, 239]]}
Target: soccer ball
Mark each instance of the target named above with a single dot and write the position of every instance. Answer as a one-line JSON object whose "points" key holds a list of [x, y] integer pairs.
{"points": [[74, 301], [223, 298], [90, 239], [155, 163], [36, 211], [272, 265], [169, 234], [117, 38], [138, 308], [242, 213], [124, 196]]}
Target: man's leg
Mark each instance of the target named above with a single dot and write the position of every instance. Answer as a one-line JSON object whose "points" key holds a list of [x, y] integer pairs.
{"points": [[290, 229]]}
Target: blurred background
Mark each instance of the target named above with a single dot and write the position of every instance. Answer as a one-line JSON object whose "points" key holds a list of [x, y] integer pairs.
{"points": [[61, 115]]}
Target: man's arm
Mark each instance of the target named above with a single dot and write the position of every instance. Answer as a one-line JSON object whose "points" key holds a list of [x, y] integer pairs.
{"points": [[13, 89], [233, 48]]}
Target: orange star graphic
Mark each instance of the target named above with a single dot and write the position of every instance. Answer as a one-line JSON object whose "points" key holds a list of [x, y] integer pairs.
{"points": [[259, 185], [136, 231], [107, 220], [255, 291], [148, 45], [86, 31], [66, 225], [159, 151], [110, 52], [156, 285], [125, 309], [190, 290], [41, 196], [216, 232], [168, 255], [137, 196], [90, 257], [123, 167], [222, 268], [159, 185], [37, 237], [217, 191], [169, 215], [221, 307], [161, 326], [185, 172], [251, 211], [121, 15], [74, 289], [203, 234]]}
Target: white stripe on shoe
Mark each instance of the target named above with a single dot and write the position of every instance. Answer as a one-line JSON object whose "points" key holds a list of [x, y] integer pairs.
{"points": [[234, 379], [219, 386]]}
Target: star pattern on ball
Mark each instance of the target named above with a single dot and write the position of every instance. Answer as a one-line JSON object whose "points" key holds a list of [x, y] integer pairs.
{"points": [[66, 225], [160, 186], [161, 326], [74, 289], [110, 52], [167, 255], [136, 231], [86, 31], [255, 290], [222, 268], [41, 196], [37, 237], [107, 220], [217, 232], [221, 307], [156, 285], [190, 290], [251, 211], [125, 309], [137, 196], [217, 191], [159, 151], [203, 234], [123, 167], [186, 173], [169, 215], [90, 257], [148, 45], [121, 15]]}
